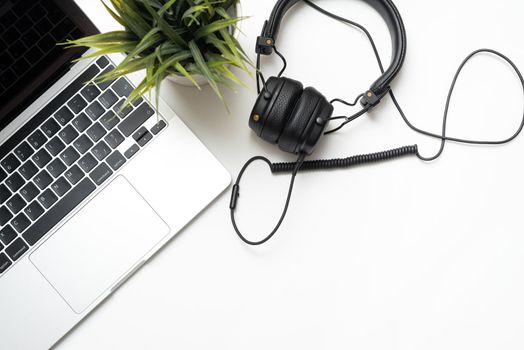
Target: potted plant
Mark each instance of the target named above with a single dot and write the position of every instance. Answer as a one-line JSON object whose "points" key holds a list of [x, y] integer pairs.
{"points": [[192, 40]]}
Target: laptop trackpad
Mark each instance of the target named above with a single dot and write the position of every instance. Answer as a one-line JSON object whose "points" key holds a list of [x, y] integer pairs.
{"points": [[99, 246]]}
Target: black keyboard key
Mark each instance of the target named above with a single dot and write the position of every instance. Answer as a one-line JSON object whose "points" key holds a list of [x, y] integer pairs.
{"points": [[104, 85], [29, 192], [3, 174], [114, 138], [28, 170], [47, 198], [74, 174], [61, 186], [109, 120], [15, 204], [4, 193], [102, 62], [122, 112], [101, 150], [108, 99], [7, 235], [83, 144], [4, 263], [24, 151], [90, 92], [41, 158], [56, 168], [43, 179], [59, 211], [37, 139], [55, 146], [139, 133], [5, 215], [87, 163], [116, 160], [95, 110], [14, 182], [131, 151], [69, 156], [82, 122], [17, 248], [50, 127], [34, 210], [68, 134], [96, 132], [136, 119], [145, 139], [122, 87], [101, 174], [20, 223], [64, 115], [77, 104], [158, 127], [10, 163]]}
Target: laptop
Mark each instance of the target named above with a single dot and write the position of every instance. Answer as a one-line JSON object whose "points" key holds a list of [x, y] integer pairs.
{"points": [[88, 191]]}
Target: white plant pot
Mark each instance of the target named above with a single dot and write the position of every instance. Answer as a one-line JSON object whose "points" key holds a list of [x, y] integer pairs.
{"points": [[200, 79]]}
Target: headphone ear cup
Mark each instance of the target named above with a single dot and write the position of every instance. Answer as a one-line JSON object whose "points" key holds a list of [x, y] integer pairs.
{"points": [[273, 107], [307, 123]]}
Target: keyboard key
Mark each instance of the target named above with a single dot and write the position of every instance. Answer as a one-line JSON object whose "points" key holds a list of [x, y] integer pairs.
{"points": [[29, 192], [5, 215], [82, 122], [64, 115], [74, 174], [158, 127], [47, 198], [131, 151], [10, 163], [68, 134], [59, 211], [96, 132], [101, 174], [90, 92], [83, 144], [20, 223], [136, 119], [41, 158], [17, 248], [50, 127], [109, 120], [69, 156], [104, 85], [108, 99], [101, 150], [37, 139], [122, 87], [95, 110], [24, 151], [28, 170], [43, 179], [122, 112], [139, 133], [4, 193], [87, 163], [56, 168], [7, 235], [4, 263], [55, 146], [114, 139], [102, 62], [77, 104], [116, 160], [15, 204], [34, 210], [145, 139], [3, 174], [61, 186], [14, 182]]}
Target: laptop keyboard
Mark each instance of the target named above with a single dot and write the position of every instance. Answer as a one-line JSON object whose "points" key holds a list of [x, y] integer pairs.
{"points": [[78, 141]]}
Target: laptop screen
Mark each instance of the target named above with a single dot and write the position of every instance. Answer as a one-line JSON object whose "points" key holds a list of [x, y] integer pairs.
{"points": [[30, 60]]}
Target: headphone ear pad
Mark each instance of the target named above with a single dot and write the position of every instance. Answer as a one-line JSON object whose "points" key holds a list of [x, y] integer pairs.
{"points": [[307, 123], [271, 111]]}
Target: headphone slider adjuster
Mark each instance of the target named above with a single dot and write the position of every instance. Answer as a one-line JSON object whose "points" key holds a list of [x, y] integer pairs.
{"points": [[370, 100], [264, 45]]}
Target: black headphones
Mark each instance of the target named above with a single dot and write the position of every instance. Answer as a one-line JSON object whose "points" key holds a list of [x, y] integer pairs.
{"points": [[296, 118]]}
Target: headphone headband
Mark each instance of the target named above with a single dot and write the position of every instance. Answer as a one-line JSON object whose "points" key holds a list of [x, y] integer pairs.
{"points": [[391, 16]]}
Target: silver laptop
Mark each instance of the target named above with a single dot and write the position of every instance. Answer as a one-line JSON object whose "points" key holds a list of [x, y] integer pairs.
{"points": [[88, 191]]}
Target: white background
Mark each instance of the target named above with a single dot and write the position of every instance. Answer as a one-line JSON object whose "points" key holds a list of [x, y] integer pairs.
{"points": [[404, 255]]}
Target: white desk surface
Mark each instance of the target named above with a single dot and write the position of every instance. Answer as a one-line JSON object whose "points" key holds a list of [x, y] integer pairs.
{"points": [[404, 255]]}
